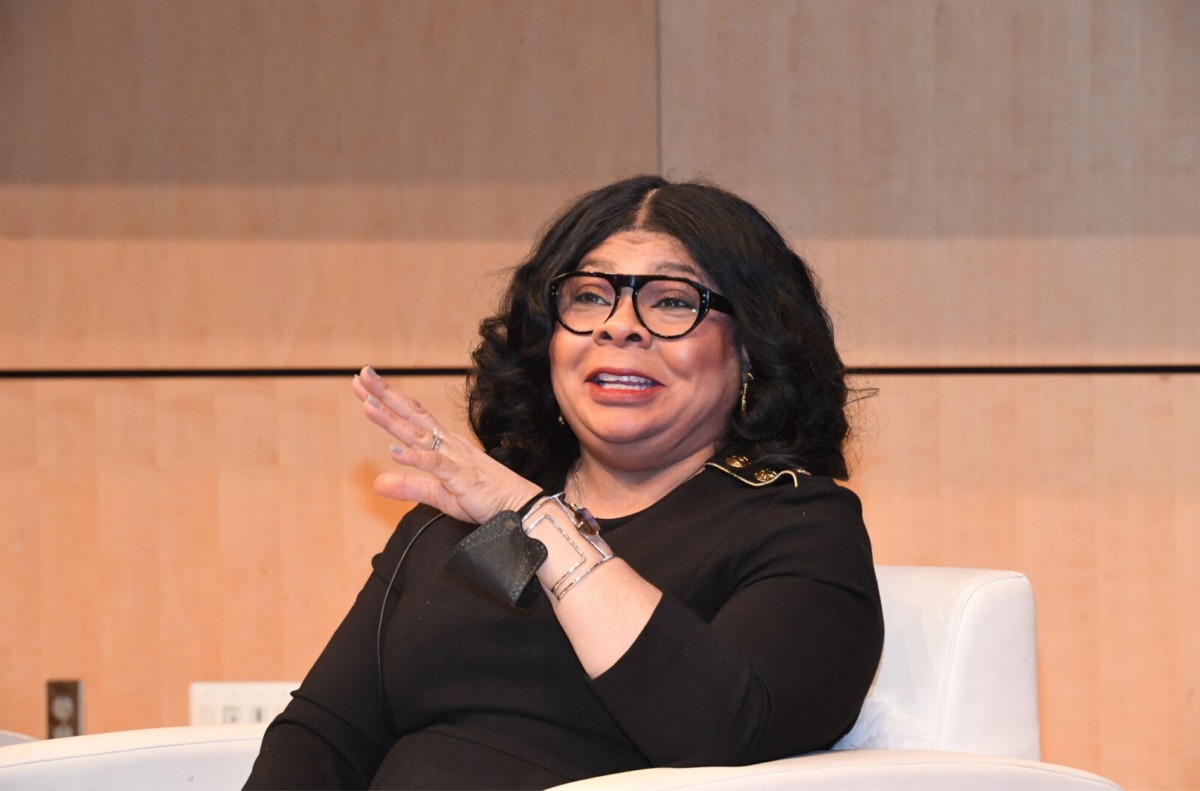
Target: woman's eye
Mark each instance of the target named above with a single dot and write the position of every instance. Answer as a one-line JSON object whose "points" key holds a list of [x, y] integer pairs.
{"points": [[590, 297], [675, 301]]}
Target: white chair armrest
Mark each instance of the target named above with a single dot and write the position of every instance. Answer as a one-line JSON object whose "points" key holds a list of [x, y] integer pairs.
{"points": [[212, 757], [220, 757], [865, 770]]}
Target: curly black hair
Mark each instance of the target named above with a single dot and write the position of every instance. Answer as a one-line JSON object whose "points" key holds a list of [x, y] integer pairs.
{"points": [[796, 404]]}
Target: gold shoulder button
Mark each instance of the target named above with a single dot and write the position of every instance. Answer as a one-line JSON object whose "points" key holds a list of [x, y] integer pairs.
{"points": [[736, 466]]}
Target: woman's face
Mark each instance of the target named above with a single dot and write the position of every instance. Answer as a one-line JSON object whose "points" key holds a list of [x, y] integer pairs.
{"points": [[684, 389]]}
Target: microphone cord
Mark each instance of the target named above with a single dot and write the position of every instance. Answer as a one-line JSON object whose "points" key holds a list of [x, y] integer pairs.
{"points": [[383, 702]]}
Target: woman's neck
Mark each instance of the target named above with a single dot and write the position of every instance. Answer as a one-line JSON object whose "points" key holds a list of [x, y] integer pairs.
{"points": [[608, 492]]}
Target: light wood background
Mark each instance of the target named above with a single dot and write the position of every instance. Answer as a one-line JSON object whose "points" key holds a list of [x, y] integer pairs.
{"points": [[304, 184]]}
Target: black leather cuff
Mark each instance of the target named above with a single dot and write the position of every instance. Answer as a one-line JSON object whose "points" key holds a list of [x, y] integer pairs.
{"points": [[498, 557]]}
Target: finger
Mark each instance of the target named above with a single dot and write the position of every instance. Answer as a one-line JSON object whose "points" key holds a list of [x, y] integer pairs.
{"points": [[397, 401], [382, 416], [431, 461], [357, 386], [422, 489], [407, 432]]}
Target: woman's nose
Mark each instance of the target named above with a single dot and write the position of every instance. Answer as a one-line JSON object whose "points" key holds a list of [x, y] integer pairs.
{"points": [[623, 327]]}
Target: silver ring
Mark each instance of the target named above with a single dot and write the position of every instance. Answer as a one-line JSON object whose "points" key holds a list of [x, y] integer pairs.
{"points": [[437, 440]]}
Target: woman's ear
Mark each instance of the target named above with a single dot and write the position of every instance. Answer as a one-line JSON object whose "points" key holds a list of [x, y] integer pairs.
{"points": [[745, 358]]}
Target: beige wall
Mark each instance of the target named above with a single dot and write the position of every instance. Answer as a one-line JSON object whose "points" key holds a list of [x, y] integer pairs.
{"points": [[317, 184]]}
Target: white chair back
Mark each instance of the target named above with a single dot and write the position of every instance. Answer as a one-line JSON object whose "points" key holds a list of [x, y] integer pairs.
{"points": [[12, 737], [959, 666]]}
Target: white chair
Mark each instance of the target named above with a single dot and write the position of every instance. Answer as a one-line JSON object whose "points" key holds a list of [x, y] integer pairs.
{"points": [[953, 706]]}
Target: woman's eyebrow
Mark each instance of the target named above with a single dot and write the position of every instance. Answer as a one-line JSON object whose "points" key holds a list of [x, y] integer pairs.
{"points": [[597, 264], [664, 267], [657, 268]]}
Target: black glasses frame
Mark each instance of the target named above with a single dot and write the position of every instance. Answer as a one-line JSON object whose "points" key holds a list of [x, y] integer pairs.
{"points": [[709, 299]]}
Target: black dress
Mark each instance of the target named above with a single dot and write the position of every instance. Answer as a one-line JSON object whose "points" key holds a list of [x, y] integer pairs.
{"points": [[763, 646]]}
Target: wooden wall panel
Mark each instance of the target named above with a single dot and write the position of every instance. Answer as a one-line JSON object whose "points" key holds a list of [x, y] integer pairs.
{"points": [[1012, 301], [256, 304], [999, 182], [855, 118], [187, 304], [328, 119], [1089, 485], [158, 532]]}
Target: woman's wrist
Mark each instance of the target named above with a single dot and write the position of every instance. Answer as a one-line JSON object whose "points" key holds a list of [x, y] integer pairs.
{"points": [[573, 544], [526, 499]]}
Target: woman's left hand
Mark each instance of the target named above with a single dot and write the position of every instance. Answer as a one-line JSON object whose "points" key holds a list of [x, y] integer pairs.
{"points": [[467, 484]]}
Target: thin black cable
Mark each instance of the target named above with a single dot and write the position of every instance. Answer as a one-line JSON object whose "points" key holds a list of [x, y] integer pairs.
{"points": [[1020, 370], [216, 373], [387, 712]]}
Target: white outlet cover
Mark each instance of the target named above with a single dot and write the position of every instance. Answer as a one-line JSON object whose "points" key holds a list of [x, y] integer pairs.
{"points": [[237, 702]]}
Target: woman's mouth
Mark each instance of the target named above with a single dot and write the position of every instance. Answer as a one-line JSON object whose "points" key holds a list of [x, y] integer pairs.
{"points": [[622, 382]]}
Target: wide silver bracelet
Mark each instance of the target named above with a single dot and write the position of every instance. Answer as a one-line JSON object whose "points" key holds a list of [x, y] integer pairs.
{"points": [[584, 525]]}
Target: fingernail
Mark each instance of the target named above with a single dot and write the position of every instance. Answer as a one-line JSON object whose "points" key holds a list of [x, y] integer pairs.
{"points": [[371, 373], [373, 401], [357, 380], [397, 449]]}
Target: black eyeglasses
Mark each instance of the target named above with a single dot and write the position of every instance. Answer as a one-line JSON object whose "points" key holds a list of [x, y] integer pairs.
{"points": [[669, 307]]}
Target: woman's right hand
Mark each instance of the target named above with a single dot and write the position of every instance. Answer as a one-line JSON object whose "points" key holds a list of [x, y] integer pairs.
{"points": [[467, 484]]}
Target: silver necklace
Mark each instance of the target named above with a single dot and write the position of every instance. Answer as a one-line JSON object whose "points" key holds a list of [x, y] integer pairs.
{"points": [[579, 487], [575, 480]]}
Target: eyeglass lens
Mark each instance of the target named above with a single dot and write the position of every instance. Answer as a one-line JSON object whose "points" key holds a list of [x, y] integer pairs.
{"points": [[667, 307]]}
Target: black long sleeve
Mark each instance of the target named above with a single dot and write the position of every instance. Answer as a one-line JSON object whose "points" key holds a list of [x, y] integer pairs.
{"points": [[783, 665]]}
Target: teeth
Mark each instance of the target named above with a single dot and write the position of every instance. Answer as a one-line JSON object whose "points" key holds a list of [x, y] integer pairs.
{"points": [[615, 378], [616, 382]]}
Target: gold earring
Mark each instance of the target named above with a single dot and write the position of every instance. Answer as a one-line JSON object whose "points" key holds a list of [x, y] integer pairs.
{"points": [[745, 387]]}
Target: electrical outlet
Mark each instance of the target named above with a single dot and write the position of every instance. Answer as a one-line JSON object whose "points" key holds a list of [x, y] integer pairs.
{"points": [[236, 702], [64, 708]]}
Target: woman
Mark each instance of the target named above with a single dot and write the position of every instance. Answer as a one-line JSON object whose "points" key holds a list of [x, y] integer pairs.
{"points": [[662, 359]]}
